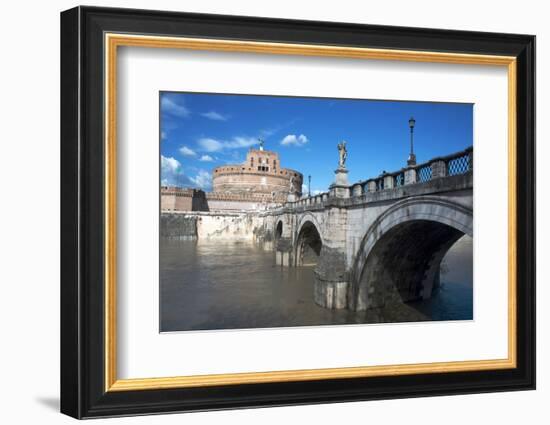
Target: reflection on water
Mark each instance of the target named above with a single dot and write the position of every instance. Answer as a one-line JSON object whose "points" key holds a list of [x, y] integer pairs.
{"points": [[234, 285]]}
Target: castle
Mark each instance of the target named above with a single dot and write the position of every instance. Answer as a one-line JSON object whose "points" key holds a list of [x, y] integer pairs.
{"points": [[258, 183]]}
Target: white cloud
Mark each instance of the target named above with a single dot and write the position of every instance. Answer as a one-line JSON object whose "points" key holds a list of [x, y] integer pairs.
{"points": [[175, 107], [215, 116], [206, 158], [214, 145], [292, 139], [241, 142], [170, 164], [163, 135], [202, 180], [171, 172], [172, 175], [210, 145], [184, 150]]}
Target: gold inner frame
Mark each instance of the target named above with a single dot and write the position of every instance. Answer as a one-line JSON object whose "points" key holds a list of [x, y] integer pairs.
{"points": [[113, 41]]}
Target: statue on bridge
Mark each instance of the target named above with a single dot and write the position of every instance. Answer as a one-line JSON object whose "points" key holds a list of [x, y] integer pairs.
{"points": [[343, 154], [292, 188], [339, 188]]}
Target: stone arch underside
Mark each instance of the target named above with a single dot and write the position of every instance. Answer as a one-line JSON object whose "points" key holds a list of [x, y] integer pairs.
{"points": [[400, 255], [278, 229], [308, 244]]}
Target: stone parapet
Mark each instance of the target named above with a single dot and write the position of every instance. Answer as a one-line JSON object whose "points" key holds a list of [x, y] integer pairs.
{"points": [[439, 169], [410, 176], [455, 183]]}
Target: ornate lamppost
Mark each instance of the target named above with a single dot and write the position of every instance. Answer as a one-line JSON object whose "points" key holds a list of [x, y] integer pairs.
{"points": [[309, 185], [412, 157]]}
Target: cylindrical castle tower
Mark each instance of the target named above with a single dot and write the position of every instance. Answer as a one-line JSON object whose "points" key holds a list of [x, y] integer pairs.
{"points": [[261, 174]]}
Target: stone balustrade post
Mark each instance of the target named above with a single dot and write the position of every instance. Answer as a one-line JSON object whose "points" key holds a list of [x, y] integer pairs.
{"points": [[439, 169], [410, 175], [371, 186], [388, 182], [357, 190]]}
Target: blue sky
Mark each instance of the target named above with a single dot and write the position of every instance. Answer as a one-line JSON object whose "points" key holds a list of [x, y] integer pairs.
{"points": [[201, 131]]}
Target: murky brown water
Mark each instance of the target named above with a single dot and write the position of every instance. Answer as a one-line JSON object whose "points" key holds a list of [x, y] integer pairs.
{"points": [[209, 285]]}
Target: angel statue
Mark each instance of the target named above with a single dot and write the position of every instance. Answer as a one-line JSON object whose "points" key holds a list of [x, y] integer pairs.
{"points": [[343, 154], [292, 189]]}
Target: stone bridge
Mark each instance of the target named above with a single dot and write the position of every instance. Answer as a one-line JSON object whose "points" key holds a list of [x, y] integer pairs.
{"points": [[379, 240]]}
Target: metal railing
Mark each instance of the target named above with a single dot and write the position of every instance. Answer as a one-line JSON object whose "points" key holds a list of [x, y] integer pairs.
{"points": [[399, 179], [424, 173], [450, 165], [460, 164]]}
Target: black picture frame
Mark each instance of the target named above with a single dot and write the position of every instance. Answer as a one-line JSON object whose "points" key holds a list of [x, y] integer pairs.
{"points": [[83, 392]]}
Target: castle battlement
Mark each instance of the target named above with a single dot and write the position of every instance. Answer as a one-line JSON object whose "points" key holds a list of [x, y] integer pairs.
{"points": [[258, 182], [260, 173]]}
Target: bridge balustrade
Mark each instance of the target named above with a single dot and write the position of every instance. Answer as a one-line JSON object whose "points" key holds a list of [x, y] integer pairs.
{"points": [[450, 165], [460, 164]]}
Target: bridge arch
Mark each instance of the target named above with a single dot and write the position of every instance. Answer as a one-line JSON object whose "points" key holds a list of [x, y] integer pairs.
{"points": [[308, 241], [279, 227], [400, 255]]}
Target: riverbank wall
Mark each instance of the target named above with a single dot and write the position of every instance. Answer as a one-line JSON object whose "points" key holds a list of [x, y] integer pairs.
{"points": [[210, 225]]}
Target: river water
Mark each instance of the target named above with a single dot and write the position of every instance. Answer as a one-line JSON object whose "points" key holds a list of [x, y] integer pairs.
{"points": [[207, 285]]}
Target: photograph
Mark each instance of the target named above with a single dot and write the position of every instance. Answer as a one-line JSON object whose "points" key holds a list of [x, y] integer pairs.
{"points": [[281, 211]]}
